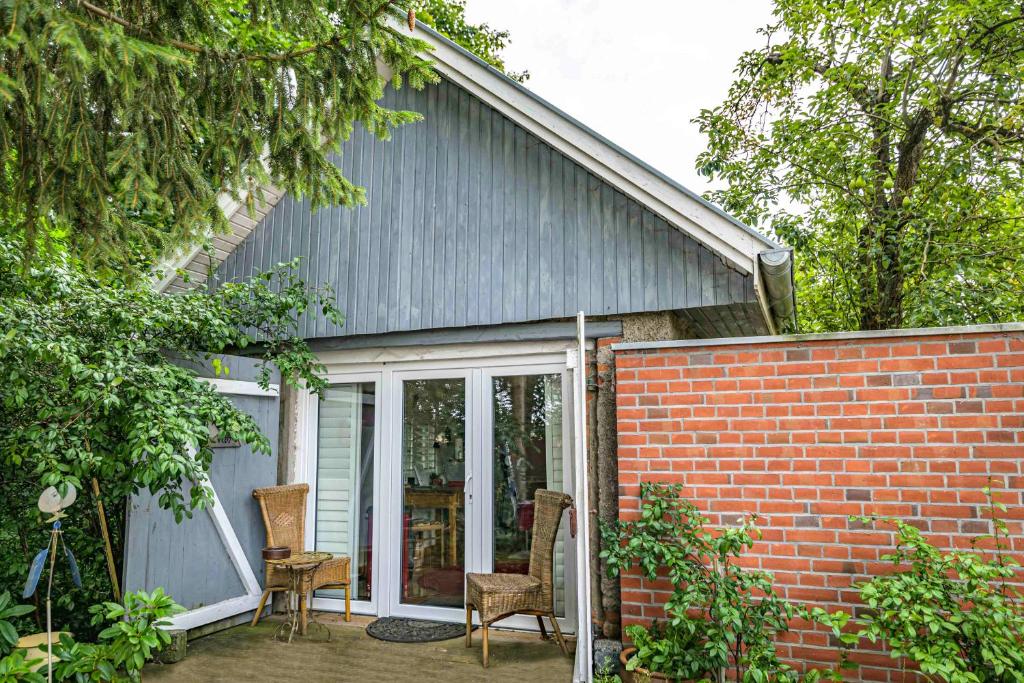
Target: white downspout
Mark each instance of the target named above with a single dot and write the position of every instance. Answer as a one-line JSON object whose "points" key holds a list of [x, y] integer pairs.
{"points": [[583, 671]]}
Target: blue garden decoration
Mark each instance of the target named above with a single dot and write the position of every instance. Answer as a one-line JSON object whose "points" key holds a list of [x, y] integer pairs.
{"points": [[36, 570], [52, 502]]}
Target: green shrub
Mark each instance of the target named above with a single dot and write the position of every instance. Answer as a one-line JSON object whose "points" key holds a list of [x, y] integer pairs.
{"points": [[8, 611], [953, 614], [669, 647], [94, 387], [13, 665], [721, 617], [607, 675], [135, 634], [14, 668]]}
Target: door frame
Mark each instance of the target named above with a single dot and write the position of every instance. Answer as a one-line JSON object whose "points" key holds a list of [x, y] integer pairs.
{"points": [[381, 366]]}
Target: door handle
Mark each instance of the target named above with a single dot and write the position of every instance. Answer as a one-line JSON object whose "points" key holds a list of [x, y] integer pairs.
{"points": [[469, 487]]}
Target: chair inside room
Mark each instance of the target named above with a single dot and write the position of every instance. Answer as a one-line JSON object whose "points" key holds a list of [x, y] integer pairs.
{"points": [[496, 596], [284, 516]]}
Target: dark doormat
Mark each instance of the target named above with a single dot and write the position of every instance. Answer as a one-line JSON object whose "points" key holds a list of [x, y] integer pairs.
{"points": [[401, 630]]}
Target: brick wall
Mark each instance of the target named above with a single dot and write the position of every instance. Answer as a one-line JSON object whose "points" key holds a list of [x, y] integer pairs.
{"points": [[807, 433]]}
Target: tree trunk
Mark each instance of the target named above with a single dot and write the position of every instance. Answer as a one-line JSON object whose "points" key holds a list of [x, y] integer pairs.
{"points": [[880, 244]]}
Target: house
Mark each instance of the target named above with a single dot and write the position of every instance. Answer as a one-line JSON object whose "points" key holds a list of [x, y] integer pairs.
{"points": [[488, 226]]}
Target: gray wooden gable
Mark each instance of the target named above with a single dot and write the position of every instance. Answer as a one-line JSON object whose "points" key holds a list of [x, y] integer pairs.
{"points": [[471, 220]]}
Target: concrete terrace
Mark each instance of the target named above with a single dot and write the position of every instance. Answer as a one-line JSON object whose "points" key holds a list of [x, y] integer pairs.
{"points": [[247, 653]]}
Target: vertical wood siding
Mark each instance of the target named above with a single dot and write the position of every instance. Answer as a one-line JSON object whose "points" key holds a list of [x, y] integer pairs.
{"points": [[471, 220]]}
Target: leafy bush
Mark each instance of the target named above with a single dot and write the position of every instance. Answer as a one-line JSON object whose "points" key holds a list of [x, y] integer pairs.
{"points": [[23, 533], [667, 648], [95, 385], [14, 668], [720, 617], [13, 664], [135, 634], [8, 633], [953, 614], [607, 675]]}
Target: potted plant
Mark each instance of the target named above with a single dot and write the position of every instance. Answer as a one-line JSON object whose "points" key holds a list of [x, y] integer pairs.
{"points": [[721, 617], [664, 652]]}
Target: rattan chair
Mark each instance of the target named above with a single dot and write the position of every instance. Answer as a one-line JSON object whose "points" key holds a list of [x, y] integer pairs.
{"points": [[284, 516], [496, 596]]}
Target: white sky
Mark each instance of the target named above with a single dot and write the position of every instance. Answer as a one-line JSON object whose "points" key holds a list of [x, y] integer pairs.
{"points": [[636, 71]]}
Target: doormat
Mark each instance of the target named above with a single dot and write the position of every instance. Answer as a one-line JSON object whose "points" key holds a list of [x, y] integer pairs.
{"points": [[401, 630]]}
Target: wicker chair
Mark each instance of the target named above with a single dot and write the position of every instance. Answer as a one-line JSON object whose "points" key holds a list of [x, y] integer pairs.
{"points": [[496, 596], [284, 516]]}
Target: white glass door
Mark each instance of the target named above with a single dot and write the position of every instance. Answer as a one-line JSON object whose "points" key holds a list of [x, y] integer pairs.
{"points": [[527, 446], [343, 509], [423, 472], [432, 460]]}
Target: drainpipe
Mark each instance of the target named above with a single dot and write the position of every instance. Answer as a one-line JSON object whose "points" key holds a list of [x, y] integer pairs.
{"points": [[776, 269]]}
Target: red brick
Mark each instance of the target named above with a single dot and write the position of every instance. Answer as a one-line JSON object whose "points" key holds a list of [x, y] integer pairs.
{"points": [[963, 362], [883, 394], [808, 434], [662, 373], [853, 367]]}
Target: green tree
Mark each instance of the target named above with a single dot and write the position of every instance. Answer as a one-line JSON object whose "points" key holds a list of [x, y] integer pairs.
{"points": [[95, 387], [448, 17], [120, 124], [884, 141]]}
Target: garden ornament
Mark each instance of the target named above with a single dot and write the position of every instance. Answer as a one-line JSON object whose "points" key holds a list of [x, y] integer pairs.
{"points": [[52, 503]]}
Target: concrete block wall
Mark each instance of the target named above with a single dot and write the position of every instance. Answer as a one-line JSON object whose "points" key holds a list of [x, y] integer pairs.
{"points": [[807, 431]]}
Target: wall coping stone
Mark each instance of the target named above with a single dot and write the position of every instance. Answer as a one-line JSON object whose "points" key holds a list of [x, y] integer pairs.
{"points": [[823, 336]]}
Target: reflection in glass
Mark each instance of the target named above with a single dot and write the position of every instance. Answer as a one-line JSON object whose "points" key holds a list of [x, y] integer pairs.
{"points": [[527, 456], [344, 480], [433, 478]]}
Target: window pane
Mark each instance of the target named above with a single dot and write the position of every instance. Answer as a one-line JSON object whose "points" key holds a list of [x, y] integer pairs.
{"points": [[433, 482], [527, 456], [344, 487]]}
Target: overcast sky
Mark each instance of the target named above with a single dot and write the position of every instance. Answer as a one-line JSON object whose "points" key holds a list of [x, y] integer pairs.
{"points": [[636, 71]]}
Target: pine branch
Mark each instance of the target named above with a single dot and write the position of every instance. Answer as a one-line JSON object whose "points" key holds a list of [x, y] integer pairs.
{"points": [[198, 49]]}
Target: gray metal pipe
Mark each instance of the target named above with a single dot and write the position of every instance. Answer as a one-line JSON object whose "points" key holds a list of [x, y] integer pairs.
{"points": [[776, 268]]}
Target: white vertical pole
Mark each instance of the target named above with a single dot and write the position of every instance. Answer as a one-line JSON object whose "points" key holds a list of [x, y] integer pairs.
{"points": [[584, 657]]}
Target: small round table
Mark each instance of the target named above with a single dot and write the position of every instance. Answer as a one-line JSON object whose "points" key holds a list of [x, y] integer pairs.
{"points": [[300, 568]]}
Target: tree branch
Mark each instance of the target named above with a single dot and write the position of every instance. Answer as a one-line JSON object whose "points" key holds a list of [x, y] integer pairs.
{"points": [[989, 30], [989, 134]]}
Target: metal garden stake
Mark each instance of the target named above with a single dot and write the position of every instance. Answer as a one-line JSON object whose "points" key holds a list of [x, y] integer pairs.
{"points": [[53, 503]]}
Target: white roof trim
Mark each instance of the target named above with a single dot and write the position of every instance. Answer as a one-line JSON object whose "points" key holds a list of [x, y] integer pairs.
{"points": [[195, 261], [170, 267], [738, 245]]}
